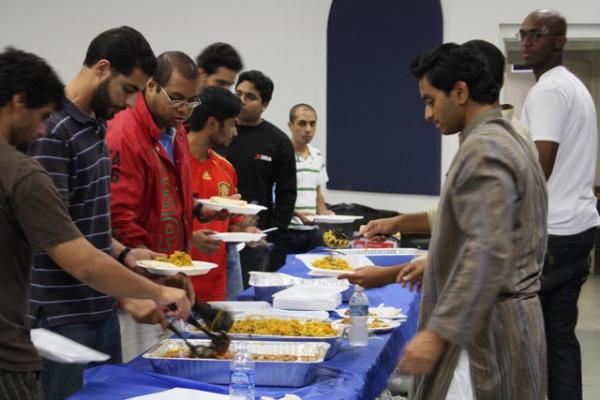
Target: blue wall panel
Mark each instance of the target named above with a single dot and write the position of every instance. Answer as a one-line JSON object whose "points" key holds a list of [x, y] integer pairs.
{"points": [[377, 139]]}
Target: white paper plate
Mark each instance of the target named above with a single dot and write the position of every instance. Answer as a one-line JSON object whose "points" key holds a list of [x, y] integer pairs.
{"points": [[165, 268], [55, 347], [354, 261], [237, 237], [334, 219], [379, 312], [248, 209], [389, 324]]}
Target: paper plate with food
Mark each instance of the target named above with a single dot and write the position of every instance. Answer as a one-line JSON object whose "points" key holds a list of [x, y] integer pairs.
{"points": [[179, 261], [234, 206], [332, 265], [376, 312], [374, 324]]}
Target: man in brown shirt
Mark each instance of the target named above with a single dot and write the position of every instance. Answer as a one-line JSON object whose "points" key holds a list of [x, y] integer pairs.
{"points": [[34, 218], [480, 311]]}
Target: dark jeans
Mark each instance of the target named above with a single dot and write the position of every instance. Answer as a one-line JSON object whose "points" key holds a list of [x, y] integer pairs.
{"points": [[62, 380], [20, 386], [566, 267], [291, 241], [253, 259]]}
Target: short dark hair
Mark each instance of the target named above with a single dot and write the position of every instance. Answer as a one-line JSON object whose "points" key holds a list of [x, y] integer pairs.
{"points": [[219, 55], [125, 48], [26, 73], [449, 63], [215, 102], [493, 56], [261, 82], [296, 107], [174, 60]]}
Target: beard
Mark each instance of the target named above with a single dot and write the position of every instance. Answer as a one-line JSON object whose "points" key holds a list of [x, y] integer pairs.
{"points": [[100, 101]]}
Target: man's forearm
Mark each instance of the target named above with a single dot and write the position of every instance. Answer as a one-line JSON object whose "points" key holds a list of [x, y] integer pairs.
{"points": [[101, 272], [412, 223]]}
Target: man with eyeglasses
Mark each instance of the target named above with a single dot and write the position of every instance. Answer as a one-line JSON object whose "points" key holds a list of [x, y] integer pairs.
{"points": [[152, 202], [560, 113]]}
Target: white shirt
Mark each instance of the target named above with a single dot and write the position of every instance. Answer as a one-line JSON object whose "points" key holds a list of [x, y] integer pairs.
{"points": [[310, 173], [560, 109]]}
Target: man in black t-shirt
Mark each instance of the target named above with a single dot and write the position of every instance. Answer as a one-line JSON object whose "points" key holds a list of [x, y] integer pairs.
{"points": [[33, 217], [264, 159]]}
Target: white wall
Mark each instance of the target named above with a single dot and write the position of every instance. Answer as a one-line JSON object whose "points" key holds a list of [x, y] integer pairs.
{"points": [[286, 39]]}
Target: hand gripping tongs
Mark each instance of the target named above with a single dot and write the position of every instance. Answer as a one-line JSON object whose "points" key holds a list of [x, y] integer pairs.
{"points": [[216, 324]]}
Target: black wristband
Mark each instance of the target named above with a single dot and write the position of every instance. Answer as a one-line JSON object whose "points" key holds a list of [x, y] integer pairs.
{"points": [[123, 254], [197, 211]]}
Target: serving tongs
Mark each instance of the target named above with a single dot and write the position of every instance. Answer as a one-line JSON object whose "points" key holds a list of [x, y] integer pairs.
{"points": [[196, 351], [215, 319], [219, 341]]}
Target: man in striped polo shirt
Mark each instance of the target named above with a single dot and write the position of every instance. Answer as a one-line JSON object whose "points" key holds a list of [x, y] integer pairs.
{"points": [[116, 67], [33, 217], [311, 175]]}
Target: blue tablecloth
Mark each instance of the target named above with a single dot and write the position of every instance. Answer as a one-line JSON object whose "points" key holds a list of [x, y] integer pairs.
{"points": [[354, 373]]}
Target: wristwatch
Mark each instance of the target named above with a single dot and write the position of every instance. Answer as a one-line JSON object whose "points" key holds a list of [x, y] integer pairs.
{"points": [[123, 254]]}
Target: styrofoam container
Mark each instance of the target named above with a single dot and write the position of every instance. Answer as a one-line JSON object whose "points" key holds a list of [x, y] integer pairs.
{"points": [[237, 307], [331, 282], [266, 373], [309, 298], [266, 284]]}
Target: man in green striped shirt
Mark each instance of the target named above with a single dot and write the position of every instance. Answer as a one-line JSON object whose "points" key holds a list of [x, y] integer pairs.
{"points": [[311, 175]]}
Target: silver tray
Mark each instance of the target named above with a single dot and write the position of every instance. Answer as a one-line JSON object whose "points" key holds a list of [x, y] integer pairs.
{"points": [[266, 373], [335, 342]]}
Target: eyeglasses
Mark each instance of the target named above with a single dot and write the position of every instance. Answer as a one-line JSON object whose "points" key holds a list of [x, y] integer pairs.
{"points": [[180, 103], [534, 35]]}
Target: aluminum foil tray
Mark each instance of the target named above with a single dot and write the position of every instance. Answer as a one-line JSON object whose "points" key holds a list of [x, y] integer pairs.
{"points": [[334, 342], [266, 373]]}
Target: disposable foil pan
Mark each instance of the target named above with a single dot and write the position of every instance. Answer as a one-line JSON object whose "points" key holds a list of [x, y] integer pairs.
{"points": [[334, 342], [266, 373]]}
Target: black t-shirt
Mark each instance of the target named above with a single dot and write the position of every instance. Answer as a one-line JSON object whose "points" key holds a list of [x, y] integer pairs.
{"points": [[32, 218], [264, 159]]}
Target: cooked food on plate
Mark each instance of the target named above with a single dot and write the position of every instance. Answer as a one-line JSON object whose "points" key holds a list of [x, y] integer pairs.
{"points": [[335, 240], [375, 323], [283, 327], [347, 312], [227, 200], [178, 258], [332, 262]]}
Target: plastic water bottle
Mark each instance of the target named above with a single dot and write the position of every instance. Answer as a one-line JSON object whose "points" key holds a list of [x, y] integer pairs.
{"points": [[241, 378], [359, 316]]}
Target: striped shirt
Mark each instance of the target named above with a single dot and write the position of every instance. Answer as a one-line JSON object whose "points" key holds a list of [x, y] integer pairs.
{"points": [[310, 174], [77, 159]]}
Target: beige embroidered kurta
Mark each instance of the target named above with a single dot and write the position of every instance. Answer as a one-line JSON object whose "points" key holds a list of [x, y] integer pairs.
{"points": [[480, 289]]}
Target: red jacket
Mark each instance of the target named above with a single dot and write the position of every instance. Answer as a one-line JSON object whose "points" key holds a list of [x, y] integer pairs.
{"points": [[151, 203]]}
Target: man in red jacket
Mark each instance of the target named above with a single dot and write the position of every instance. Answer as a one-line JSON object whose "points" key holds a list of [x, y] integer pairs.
{"points": [[151, 204]]}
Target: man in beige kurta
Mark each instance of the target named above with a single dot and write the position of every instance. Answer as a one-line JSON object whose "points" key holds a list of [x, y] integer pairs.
{"points": [[480, 289]]}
